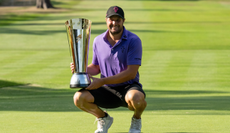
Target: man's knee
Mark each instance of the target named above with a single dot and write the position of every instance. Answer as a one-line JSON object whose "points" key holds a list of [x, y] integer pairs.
{"points": [[77, 98], [81, 97], [136, 99]]}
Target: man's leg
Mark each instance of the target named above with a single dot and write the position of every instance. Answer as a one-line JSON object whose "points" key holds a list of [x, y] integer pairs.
{"points": [[84, 101], [136, 102]]}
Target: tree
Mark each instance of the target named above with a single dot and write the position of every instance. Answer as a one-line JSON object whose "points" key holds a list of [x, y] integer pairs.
{"points": [[44, 4]]}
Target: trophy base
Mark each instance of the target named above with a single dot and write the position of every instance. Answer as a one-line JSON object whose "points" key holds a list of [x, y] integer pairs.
{"points": [[80, 80]]}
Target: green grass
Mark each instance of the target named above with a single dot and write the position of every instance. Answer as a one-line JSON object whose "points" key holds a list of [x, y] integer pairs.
{"points": [[185, 68], [11, 18]]}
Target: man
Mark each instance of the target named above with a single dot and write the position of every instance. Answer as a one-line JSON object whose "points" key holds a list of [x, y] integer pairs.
{"points": [[117, 56]]}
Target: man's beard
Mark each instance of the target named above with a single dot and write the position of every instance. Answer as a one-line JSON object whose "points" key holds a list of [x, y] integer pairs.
{"points": [[115, 32]]}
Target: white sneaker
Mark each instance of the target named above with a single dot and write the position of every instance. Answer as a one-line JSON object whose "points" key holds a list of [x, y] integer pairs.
{"points": [[135, 126], [103, 124]]}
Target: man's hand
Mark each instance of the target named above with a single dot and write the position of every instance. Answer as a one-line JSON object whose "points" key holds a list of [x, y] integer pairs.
{"points": [[72, 67], [97, 82]]}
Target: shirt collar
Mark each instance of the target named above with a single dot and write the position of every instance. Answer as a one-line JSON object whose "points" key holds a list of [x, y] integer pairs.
{"points": [[124, 34]]}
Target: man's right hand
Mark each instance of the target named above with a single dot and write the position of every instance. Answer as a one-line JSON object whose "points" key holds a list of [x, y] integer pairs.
{"points": [[72, 67]]}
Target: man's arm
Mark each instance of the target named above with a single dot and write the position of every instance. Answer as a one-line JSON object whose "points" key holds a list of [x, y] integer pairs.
{"points": [[128, 74], [91, 69]]}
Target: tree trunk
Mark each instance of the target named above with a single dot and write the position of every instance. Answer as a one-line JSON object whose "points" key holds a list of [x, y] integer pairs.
{"points": [[44, 4]]}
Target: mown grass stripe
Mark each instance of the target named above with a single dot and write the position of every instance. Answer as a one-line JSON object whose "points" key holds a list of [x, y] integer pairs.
{"points": [[55, 71], [154, 64], [175, 72], [201, 71], [18, 66]]}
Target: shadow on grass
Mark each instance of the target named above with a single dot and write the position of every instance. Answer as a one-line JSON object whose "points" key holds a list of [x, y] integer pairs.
{"points": [[29, 97], [122, 132], [139, 10], [11, 18], [8, 83], [150, 0], [162, 0], [219, 103], [48, 32], [31, 32], [140, 22], [182, 132], [44, 31], [19, 97]]}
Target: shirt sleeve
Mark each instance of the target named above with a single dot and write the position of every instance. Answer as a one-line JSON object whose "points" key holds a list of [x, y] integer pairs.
{"points": [[134, 52]]}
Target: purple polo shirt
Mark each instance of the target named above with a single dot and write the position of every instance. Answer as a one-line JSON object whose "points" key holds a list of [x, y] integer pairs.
{"points": [[115, 59]]}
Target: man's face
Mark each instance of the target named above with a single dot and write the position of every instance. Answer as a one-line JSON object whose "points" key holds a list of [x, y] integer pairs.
{"points": [[114, 24]]}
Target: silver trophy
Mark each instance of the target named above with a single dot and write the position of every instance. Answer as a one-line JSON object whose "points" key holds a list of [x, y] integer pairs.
{"points": [[78, 34]]}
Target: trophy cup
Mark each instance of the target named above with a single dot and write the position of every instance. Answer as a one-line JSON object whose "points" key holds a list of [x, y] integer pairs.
{"points": [[78, 34]]}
